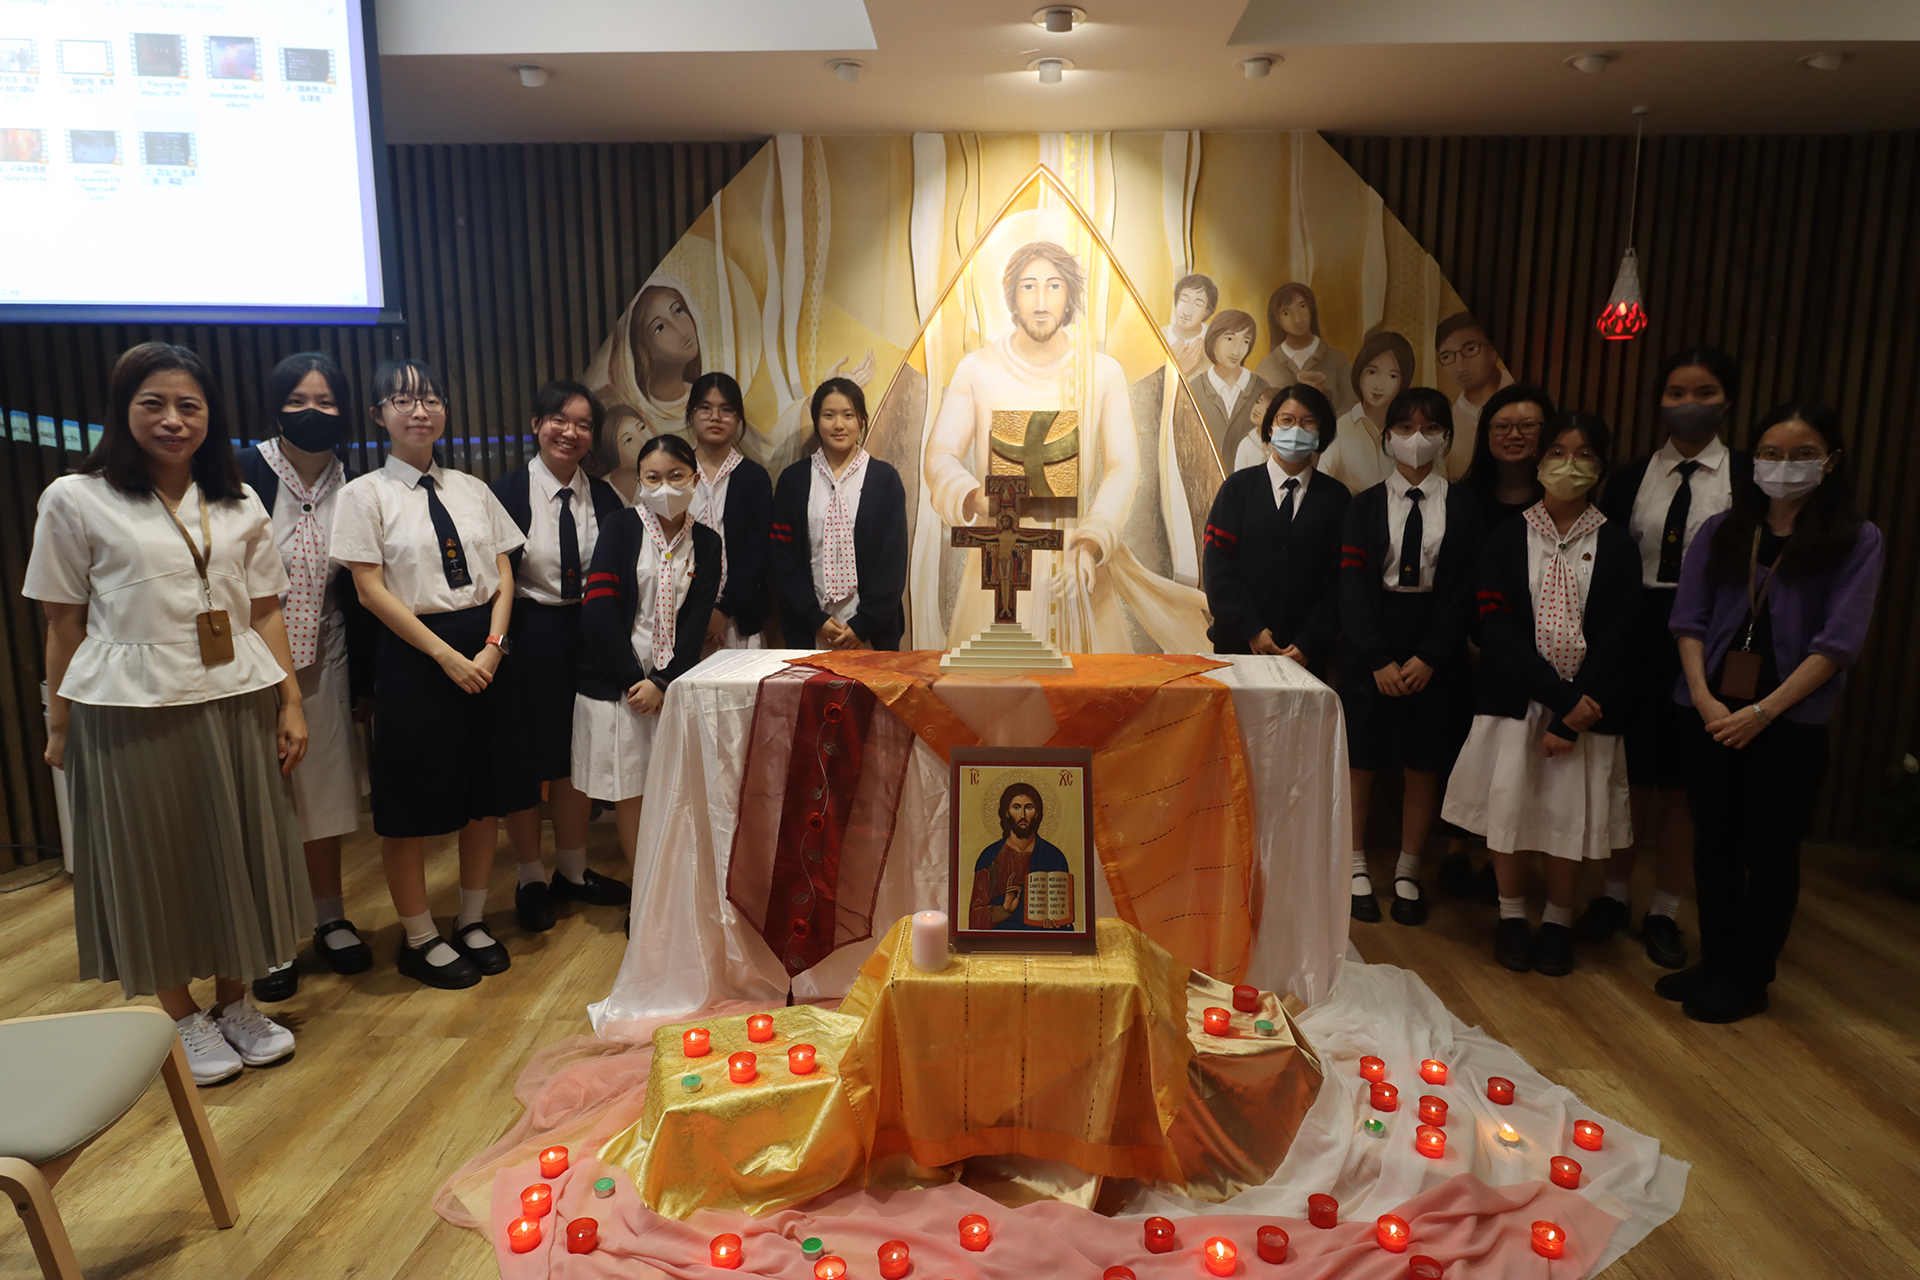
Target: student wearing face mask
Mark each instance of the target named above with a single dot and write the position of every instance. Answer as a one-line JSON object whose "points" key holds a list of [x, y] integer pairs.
{"points": [[733, 496], [1544, 770], [1773, 606], [839, 554], [1406, 596], [1663, 500], [652, 585], [298, 474], [1272, 549], [560, 510]]}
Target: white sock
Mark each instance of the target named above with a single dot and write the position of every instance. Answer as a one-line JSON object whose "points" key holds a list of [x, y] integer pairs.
{"points": [[1562, 916], [1620, 890], [420, 931], [532, 873], [572, 863], [473, 907], [1513, 908], [1408, 868], [1664, 904], [1362, 885], [327, 910]]}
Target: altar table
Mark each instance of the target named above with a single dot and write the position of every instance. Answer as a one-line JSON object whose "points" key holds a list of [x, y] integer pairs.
{"points": [[691, 948]]}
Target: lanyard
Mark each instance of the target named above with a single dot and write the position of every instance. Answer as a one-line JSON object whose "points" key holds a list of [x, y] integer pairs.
{"points": [[1755, 600], [201, 558]]}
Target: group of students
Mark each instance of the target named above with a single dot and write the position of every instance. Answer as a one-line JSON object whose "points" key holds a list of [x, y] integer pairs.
{"points": [[1556, 660], [220, 619]]}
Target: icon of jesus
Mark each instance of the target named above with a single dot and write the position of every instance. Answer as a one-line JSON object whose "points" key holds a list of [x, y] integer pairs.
{"points": [[1000, 874]]}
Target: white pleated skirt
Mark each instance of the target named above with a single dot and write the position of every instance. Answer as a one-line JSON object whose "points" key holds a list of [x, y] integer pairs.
{"points": [[1571, 806], [612, 744]]}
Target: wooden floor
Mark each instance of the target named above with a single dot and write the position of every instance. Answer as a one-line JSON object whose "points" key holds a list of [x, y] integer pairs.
{"points": [[1802, 1126]]}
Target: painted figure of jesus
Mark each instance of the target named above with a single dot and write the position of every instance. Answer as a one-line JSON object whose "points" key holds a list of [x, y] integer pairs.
{"points": [[1000, 874]]}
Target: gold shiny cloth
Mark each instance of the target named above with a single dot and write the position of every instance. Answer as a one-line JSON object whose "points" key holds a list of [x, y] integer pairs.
{"points": [[757, 1147], [1081, 1059]]}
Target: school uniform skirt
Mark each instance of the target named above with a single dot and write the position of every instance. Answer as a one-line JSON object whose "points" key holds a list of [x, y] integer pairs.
{"points": [[539, 679], [1571, 806], [1422, 731], [186, 852], [332, 776], [441, 756], [1656, 727], [612, 746]]}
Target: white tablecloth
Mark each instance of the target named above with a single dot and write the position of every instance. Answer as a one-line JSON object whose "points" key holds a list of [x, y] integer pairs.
{"points": [[691, 948]]}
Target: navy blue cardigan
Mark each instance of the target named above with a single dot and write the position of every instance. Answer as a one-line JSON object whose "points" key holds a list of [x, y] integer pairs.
{"points": [[749, 512], [608, 665], [515, 491], [1363, 555], [1260, 578], [879, 554]]}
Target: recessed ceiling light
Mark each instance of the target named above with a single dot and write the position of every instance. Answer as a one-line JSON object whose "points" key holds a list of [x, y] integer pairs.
{"points": [[1059, 17], [1049, 69], [1823, 61], [531, 76], [847, 69], [1258, 68], [1592, 63]]}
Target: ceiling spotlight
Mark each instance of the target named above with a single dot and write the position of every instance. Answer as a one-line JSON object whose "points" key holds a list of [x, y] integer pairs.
{"points": [[1823, 61], [847, 69], [1259, 68], [1060, 17], [1592, 63], [1050, 69], [531, 76]]}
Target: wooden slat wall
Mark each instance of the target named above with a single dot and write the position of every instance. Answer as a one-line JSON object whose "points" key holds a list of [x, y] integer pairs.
{"points": [[515, 262], [1799, 255]]}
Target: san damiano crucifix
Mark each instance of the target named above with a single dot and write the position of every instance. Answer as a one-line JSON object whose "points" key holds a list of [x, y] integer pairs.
{"points": [[1006, 546]]}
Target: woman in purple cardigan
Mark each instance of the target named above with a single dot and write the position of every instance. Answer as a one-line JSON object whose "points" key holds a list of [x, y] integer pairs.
{"points": [[1772, 608]]}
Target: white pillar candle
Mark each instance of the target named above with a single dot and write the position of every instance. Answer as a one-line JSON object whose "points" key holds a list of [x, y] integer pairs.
{"points": [[930, 940]]}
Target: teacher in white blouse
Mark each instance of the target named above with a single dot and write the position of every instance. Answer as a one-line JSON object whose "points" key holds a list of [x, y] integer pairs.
{"points": [[175, 711]]}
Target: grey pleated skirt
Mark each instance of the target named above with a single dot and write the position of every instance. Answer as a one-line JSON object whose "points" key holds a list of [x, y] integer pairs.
{"points": [[186, 852]]}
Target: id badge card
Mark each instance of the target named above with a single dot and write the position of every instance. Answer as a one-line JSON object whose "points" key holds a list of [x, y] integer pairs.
{"points": [[1740, 675], [216, 637]]}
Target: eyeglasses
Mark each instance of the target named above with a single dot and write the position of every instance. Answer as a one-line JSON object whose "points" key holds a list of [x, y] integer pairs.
{"points": [[406, 403], [1467, 351], [554, 421], [1515, 428], [1801, 453], [724, 412], [1288, 420]]}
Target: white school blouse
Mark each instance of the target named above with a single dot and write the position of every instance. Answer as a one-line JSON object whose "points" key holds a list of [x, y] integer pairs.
{"points": [[121, 556], [1433, 527], [288, 510], [1712, 493], [538, 578], [818, 498], [383, 520], [646, 569]]}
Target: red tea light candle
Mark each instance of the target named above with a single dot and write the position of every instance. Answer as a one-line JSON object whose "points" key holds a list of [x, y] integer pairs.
{"points": [[742, 1068], [1433, 1110], [537, 1200], [583, 1236], [1322, 1211], [1220, 1256], [1430, 1141], [1373, 1069], [724, 1251], [1383, 1096], [1421, 1267], [801, 1059], [1159, 1235], [1393, 1233], [695, 1043], [1271, 1244], [1549, 1241], [523, 1234], [1218, 1021], [760, 1028], [1500, 1090], [1246, 999], [830, 1267], [1565, 1172], [1587, 1135], [976, 1233], [1118, 1273], [894, 1261], [553, 1162], [1433, 1071]]}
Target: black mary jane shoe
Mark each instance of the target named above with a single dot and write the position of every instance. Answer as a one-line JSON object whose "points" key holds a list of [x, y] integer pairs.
{"points": [[1486, 886], [1408, 910], [357, 958], [1456, 876], [279, 984], [1665, 946], [595, 890], [1684, 985], [1366, 908], [1724, 1000], [1553, 951], [455, 975], [533, 906], [490, 958], [1603, 918], [1513, 944]]}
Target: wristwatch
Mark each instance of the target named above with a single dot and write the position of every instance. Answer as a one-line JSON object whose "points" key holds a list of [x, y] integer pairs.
{"points": [[1760, 713], [504, 645]]}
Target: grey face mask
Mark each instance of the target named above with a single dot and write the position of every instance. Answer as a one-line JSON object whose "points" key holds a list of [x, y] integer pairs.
{"points": [[1693, 422]]}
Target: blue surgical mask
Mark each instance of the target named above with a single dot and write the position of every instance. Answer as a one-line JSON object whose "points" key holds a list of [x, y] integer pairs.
{"points": [[1296, 444]]}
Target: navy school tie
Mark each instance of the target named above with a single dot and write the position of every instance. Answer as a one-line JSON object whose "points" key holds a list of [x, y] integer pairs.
{"points": [[569, 548], [1410, 538], [453, 556], [1674, 535]]}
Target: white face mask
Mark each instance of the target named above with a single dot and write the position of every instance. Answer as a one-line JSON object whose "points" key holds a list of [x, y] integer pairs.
{"points": [[666, 501], [1783, 479], [1295, 444], [1416, 450]]}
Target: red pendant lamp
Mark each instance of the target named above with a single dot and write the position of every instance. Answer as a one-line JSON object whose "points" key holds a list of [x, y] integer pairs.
{"points": [[1626, 313]]}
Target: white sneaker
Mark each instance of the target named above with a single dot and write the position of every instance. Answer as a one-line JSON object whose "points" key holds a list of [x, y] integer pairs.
{"points": [[208, 1053], [258, 1039]]}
